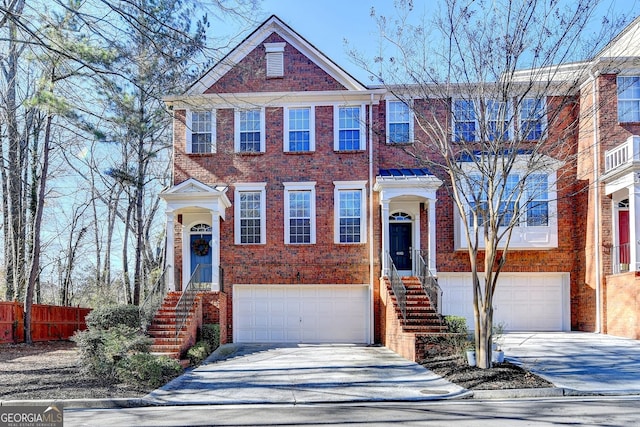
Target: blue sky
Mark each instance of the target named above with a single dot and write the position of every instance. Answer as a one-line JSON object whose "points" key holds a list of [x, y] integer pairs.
{"points": [[327, 23]]}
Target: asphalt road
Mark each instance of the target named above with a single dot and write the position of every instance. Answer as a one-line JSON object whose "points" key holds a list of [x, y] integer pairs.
{"points": [[586, 411]]}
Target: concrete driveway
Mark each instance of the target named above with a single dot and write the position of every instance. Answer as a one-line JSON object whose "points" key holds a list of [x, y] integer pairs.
{"points": [[582, 363], [304, 374]]}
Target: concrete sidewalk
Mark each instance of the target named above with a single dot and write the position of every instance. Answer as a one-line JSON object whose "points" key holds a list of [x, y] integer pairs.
{"points": [[579, 362], [305, 374]]}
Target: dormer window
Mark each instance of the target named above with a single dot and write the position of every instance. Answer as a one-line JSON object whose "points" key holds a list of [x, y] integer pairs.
{"points": [[275, 59]]}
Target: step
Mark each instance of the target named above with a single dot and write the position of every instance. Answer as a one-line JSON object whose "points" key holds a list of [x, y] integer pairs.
{"points": [[165, 348], [173, 354], [410, 328]]}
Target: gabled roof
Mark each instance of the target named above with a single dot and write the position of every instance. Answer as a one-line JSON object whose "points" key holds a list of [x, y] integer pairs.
{"points": [[625, 44], [253, 40]]}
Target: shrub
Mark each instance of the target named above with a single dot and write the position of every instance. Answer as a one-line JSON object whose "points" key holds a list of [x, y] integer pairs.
{"points": [[198, 352], [456, 324], [113, 315], [211, 335], [147, 370], [101, 349]]}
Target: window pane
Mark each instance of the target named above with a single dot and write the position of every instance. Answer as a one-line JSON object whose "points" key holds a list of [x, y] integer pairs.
{"points": [[537, 186], [349, 128], [398, 117], [250, 131], [300, 217], [497, 120], [464, 116], [201, 134], [299, 129], [350, 216], [250, 221], [532, 114]]}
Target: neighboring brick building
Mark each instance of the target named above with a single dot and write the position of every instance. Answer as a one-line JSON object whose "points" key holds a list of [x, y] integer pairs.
{"points": [[291, 183]]}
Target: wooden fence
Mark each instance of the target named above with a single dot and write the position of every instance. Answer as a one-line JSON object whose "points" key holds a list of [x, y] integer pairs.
{"points": [[48, 322]]}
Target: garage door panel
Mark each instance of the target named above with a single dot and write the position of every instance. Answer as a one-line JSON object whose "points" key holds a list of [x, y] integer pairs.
{"points": [[525, 301], [286, 313]]}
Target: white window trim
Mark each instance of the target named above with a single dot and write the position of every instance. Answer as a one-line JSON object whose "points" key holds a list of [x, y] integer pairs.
{"points": [[510, 115], [619, 99], [543, 121], [411, 120], [336, 126], [236, 130], [299, 186], [254, 187], [312, 128], [349, 185], [524, 237], [189, 126]]}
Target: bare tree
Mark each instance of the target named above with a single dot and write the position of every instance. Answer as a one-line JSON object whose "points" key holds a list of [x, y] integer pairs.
{"points": [[495, 117]]}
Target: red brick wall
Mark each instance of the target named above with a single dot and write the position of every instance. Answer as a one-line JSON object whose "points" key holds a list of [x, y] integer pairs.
{"points": [[393, 337], [623, 305], [300, 74]]}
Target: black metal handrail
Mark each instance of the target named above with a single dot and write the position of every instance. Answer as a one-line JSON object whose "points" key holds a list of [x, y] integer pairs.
{"points": [[398, 288], [152, 301], [428, 282], [200, 281]]}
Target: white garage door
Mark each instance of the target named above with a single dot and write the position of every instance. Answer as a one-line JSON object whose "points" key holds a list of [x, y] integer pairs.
{"points": [[523, 301], [301, 314]]}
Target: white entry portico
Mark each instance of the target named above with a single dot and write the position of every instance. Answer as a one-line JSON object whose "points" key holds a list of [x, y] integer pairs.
{"points": [[200, 208], [403, 195]]}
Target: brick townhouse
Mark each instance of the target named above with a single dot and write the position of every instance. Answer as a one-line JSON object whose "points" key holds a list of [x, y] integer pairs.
{"points": [[295, 197]]}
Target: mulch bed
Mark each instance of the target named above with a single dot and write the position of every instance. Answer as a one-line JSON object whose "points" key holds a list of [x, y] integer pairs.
{"points": [[501, 376], [50, 370]]}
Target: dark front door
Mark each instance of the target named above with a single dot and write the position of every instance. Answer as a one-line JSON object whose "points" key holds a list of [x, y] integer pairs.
{"points": [[400, 245], [201, 255]]}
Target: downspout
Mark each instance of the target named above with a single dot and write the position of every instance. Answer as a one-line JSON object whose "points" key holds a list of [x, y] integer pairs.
{"points": [[596, 190], [371, 249]]}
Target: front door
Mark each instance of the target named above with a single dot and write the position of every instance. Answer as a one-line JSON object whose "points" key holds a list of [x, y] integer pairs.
{"points": [[201, 255], [400, 245], [623, 239]]}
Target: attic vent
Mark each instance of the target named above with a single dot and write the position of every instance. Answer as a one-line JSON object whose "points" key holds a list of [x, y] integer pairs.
{"points": [[275, 59]]}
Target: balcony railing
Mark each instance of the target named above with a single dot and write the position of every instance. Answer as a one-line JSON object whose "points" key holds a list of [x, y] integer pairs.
{"points": [[620, 258], [624, 154]]}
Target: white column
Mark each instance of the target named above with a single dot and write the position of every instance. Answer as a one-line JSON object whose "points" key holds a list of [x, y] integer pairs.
{"points": [[385, 235], [634, 226], [215, 251], [169, 256], [432, 237]]}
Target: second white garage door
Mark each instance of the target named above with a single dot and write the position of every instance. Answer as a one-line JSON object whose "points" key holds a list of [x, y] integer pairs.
{"points": [[301, 313], [523, 301]]}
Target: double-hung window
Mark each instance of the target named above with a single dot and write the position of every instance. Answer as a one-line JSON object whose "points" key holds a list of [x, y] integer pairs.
{"points": [[399, 123], [250, 213], [249, 131], [497, 120], [201, 132], [349, 212], [533, 119], [300, 213], [299, 129], [349, 128], [464, 118], [628, 99], [537, 193]]}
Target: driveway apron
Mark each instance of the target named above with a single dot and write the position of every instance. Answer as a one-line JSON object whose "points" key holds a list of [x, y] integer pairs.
{"points": [[304, 374], [581, 362]]}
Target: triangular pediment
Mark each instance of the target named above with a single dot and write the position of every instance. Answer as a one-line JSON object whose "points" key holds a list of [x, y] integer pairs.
{"points": [[190, 186], [257, 38]]}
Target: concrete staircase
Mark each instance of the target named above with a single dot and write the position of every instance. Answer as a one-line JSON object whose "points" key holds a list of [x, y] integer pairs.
{"points": [[163, 328], [422, 317]]}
